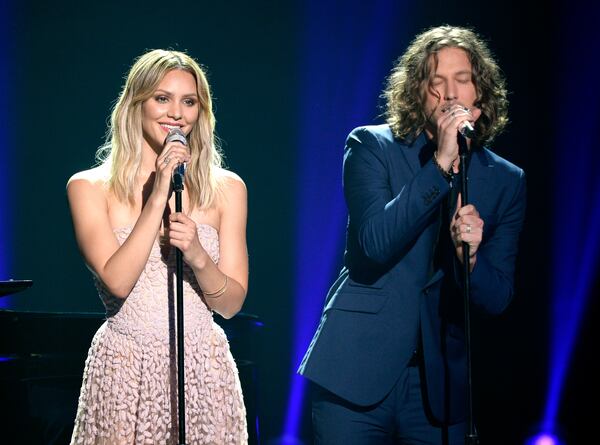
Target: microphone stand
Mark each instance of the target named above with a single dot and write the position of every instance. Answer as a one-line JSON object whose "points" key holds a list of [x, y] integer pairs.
{"points": [[178, 188], [471, 437]]}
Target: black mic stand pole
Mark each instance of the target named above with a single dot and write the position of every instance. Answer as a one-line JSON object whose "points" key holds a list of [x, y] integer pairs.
{"points": [[178, 188], [471, 437]]}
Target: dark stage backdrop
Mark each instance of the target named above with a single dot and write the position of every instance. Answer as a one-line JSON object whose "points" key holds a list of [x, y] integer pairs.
{"points": [[69, 59]]}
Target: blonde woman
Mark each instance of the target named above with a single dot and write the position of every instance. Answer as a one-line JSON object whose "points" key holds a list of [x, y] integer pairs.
{"points": [[127, 231]]}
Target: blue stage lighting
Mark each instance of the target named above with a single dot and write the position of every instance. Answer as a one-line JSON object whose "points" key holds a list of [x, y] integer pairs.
{"points": [[544, 439], [7, 187], [343, 76]]}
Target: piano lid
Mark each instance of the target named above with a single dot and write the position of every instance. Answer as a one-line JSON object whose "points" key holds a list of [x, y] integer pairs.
{"points": [[13, 286]]}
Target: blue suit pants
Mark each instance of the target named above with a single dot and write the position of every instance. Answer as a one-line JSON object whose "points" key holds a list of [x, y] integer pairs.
{"points": [[399, 419]]}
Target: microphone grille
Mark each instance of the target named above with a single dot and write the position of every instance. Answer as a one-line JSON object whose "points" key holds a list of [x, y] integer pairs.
{"points": [[467, 130], [176, 135]]}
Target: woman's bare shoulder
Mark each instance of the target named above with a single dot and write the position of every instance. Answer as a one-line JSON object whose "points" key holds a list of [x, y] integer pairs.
{"points": [[233, 194], [96, 177], [231, 181], [89, 183]]}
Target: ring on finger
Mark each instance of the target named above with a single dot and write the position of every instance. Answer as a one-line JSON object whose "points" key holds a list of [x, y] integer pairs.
{"points": [[167, 160], [469, 228]]}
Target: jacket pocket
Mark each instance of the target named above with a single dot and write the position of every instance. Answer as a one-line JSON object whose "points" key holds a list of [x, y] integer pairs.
{"points": [[362, 287], [354, 297]]}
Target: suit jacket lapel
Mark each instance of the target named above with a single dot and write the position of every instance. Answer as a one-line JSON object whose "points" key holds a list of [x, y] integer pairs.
{"points": [[479, 175], [411, 153]]}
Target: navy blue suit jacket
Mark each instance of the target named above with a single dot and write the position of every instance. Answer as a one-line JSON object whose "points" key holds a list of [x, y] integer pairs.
{"points": [[391, 296]]}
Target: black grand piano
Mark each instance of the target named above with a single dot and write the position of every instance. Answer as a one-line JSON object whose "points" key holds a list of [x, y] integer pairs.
{"points": [[42, 355]]}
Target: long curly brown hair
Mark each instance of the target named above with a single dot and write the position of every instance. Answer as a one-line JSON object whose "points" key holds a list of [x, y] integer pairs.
{"points": [[411, 76]]}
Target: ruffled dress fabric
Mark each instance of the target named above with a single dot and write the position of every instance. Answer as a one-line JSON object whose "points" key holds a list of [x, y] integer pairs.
{"points": [[129, 389]]}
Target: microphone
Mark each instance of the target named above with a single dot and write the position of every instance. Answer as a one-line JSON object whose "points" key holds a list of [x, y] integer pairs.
{"points": [[466, 129], [176, 135]]}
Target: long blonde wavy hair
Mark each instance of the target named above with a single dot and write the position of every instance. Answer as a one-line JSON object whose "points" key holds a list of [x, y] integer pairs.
{"points": [[406, 87], [121, 153]]}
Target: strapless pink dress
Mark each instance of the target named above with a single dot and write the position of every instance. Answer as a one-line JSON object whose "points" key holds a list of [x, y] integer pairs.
{"points": [[129, 390]]}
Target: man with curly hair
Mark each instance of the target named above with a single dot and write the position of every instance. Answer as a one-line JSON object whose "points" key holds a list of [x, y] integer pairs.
{"points": [[388, 360]]}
